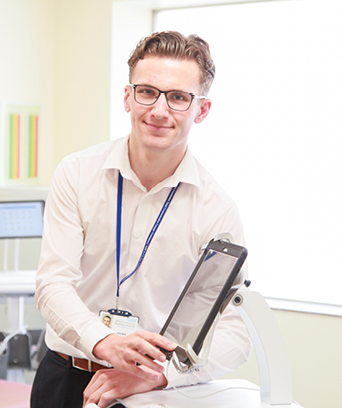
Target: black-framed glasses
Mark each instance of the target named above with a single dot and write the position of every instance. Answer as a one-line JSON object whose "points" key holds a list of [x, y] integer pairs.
{"points": [[176, 100]]}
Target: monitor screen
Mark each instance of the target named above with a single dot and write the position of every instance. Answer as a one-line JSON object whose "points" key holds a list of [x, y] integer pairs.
{"points": [[21, 219]]}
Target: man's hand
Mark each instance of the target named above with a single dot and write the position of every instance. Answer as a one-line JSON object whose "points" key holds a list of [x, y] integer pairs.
{"points": [[133, 352], [108, 385]]}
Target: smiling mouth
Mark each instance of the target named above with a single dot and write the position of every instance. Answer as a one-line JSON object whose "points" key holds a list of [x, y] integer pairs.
{"points": [[158, 127]]}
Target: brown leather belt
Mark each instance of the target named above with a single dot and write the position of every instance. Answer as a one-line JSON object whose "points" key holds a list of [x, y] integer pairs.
{"points": [[83, 364]]}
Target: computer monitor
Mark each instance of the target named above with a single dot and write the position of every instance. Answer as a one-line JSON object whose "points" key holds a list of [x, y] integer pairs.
{"points": [[21, 219]]}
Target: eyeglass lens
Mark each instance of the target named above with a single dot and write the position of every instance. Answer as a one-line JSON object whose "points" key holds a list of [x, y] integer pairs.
{"points": [[177, 100]]}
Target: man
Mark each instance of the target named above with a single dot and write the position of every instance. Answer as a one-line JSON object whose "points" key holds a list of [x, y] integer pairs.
{"points": [[107, 321], [105, 247]]}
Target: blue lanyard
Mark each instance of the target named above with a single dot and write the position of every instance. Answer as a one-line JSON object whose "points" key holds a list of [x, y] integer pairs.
{"points": [[149, 238]]}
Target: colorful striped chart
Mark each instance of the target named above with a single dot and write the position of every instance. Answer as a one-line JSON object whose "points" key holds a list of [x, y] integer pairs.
{"points": [[21, 143], [14, 147], [33, 147]]}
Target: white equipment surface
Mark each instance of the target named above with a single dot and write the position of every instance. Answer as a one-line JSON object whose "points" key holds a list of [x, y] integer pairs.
{"points": [[18, 283], [228, 394], [234, 394]]}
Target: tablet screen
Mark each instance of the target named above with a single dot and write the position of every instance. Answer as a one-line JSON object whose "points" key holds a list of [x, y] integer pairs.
{"points": [[205, 294]]}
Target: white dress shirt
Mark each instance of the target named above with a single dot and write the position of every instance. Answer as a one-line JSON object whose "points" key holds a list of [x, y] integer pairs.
{"points": [[77, 279]]}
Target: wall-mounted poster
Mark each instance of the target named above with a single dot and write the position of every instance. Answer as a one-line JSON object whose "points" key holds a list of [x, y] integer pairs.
{"points": [[19, 142]]}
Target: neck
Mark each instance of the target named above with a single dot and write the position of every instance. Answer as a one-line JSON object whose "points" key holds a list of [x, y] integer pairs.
{"points": [[152, 167]]}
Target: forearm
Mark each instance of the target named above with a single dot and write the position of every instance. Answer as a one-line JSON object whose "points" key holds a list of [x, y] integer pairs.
{"points": [[108, 385], [69, 318]]}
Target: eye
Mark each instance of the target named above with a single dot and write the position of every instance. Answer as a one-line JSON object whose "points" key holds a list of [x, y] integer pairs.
{"points": [[178, 96], [146, 91]]}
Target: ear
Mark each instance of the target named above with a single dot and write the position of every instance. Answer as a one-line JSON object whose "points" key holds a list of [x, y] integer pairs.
{"points": [[204, 111], [127, 105]]}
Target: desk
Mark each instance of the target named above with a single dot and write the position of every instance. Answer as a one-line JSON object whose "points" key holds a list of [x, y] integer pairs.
{"points": [[248, 397], [14, 395]]}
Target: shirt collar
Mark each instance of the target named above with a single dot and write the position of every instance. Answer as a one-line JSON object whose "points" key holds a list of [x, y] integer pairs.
{"points": [[187, 171], [118, 158]]}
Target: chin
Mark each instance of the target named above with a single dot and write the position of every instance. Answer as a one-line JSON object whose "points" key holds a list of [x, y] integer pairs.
{"points": [[156, 142]]}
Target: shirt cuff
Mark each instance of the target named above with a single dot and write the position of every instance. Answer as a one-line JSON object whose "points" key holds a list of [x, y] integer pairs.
{"points": [[91, 336]]}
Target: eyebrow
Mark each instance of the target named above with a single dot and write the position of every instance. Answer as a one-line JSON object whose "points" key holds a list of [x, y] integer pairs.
{"points": [[171, 90]]}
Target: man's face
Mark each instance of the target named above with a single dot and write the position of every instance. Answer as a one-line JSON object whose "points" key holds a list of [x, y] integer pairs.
{"points": [[157, 127], [106, 321]]}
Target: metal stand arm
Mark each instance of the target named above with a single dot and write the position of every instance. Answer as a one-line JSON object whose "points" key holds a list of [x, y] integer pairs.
{"points": [[273, 361]]}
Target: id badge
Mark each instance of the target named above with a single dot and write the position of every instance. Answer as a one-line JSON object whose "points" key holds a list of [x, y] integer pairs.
{"points": [[121, 322]]}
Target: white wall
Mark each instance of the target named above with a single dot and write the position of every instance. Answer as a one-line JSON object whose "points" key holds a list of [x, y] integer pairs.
{"points": [[27, 66], [82, 80], [57, 54], [70, 77], [313, 343]]}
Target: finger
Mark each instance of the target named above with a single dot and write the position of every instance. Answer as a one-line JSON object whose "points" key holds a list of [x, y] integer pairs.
{"points": [[149, 363], [165, 343], [106, 400], [152, 375], [157, 339], [91, 397], [101, 397], [97, 380], [132, 365], [153, 364], [155, 353], [143, 343], [98, 384]]}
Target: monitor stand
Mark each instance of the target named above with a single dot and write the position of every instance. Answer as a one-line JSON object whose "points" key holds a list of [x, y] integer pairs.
{"points": [[269, 345]]}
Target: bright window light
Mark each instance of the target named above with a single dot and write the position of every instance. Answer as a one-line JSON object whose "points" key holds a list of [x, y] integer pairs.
{"points": [[273, 138]]}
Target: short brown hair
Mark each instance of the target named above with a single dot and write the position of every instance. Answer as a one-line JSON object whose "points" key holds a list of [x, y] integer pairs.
{"points": [[175, 45]]}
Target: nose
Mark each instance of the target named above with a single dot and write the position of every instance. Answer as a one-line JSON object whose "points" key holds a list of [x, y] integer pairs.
{"points": [[160, 109]]}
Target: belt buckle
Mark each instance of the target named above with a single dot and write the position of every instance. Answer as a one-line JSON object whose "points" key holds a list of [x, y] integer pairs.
{"points": [[81, 368]]}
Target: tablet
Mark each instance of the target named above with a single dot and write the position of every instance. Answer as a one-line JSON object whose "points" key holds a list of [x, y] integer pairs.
{"points": [[213, 282]]}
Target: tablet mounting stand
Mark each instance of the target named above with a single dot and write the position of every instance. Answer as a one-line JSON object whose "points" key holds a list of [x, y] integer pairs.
{"points": [[272, 357]]}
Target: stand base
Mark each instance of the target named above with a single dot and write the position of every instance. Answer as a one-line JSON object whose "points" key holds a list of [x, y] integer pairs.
{"points": [[235, 394]]}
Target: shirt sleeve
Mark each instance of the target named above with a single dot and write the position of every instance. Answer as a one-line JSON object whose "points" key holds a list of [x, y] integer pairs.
{"points": [[59, 266]]}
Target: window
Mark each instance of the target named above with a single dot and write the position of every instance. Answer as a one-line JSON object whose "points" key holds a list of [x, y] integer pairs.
{"points": [[273, 137]]}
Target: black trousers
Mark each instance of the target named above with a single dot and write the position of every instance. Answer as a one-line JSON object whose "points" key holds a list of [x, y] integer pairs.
{"points": [[58, 384]]}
